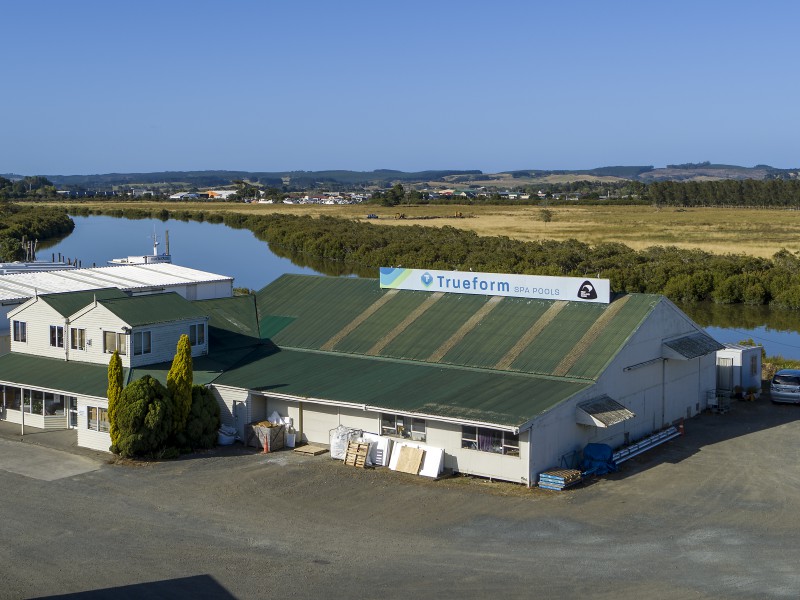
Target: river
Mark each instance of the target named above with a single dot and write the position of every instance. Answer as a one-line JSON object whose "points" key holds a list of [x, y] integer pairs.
{"points": [[221, 249]]}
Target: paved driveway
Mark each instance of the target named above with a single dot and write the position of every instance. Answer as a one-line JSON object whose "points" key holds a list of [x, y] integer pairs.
{"points": [[42, 463]]}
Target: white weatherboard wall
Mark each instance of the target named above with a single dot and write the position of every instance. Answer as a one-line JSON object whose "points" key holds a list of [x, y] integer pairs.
{"points": [[315, 421], [234, 406], [38, 317], [477, 462], [37, 421], [139, 280], [87, 438], [164, 338]]}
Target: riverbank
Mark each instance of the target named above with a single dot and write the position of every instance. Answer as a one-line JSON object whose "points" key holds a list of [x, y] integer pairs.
{"points": [[755, 232]]}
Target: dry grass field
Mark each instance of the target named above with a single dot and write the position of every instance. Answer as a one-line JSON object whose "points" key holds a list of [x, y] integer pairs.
{"points": [[741, 231]]}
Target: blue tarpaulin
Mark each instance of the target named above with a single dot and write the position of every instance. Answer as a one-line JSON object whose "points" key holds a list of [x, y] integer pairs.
{"points": [[598, 459]]}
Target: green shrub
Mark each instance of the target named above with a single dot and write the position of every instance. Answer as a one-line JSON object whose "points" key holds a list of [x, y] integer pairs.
{"points": [[113, 394], [788, 298], [203, 421], [729, 291], [144, 418], [179, 383]]}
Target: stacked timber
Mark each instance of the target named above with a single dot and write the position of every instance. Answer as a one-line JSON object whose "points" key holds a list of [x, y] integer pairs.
{"points": [[559, 479]]}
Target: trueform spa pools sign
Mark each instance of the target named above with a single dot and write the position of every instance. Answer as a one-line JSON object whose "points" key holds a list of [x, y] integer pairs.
{"points": [[498, 284]]}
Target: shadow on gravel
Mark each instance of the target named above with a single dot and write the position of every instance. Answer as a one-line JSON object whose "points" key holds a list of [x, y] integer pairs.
{"points": [[744, 418], [199, 587]]}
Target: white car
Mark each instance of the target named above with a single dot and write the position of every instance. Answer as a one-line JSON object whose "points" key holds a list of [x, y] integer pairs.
{"points": [[785, 386]]}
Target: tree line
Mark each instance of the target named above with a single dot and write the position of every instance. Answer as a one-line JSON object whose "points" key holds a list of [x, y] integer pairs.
{"points": [[31, 223], [341, 246]]}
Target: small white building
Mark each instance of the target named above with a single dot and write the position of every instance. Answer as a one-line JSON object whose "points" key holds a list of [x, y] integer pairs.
{"points": [[739, 369]]}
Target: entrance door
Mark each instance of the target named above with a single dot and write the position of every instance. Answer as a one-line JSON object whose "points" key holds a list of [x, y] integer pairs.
{"points": [[73, 412], [725, 374]]}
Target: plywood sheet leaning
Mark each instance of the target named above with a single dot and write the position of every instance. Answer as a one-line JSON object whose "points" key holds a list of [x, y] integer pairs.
{"points": [[410, 460]]}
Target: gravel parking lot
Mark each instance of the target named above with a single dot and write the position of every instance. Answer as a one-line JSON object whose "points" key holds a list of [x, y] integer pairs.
{"points": [[712, 514]]}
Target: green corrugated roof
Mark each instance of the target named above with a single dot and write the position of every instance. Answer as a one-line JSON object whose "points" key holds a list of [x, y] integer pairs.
{"points": [[153, 308], [492, 397], [445, 316], [609, 341], [487, 343], [322, 306], [68, 303], [27, 370], [307, 312], [205, 369], [232, 322]]}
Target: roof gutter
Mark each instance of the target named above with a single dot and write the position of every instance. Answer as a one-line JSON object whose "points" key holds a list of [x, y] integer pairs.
{"points": [[367, 407]]}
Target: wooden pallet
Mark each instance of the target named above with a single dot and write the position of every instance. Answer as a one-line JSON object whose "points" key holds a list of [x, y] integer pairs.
{"points": [[311, 450], [356, 455]]}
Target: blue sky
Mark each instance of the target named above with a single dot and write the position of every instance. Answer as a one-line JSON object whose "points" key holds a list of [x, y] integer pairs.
{"points": [[99, 86]]}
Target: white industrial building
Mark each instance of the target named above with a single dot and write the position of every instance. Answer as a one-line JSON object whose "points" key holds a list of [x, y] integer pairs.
{"points": [[504, 387]]}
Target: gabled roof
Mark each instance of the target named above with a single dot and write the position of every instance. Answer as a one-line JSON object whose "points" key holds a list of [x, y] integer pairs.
{"points": [[153, 308], [356, 316], [233, 322], [68, 303]]}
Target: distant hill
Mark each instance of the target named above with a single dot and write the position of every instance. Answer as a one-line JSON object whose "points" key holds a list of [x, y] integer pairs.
{"points": [[706, 171], [298, 180]]}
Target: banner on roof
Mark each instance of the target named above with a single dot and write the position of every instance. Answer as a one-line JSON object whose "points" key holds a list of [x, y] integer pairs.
{"points": [[575, 289]]}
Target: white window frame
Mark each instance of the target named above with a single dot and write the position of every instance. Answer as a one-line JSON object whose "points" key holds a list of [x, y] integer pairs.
{"points": [[412, 428], [20, 331], [509, 442], [56, 336], [197, 334], [77, 338], [120, 342], [101, 425], [139, 338]]}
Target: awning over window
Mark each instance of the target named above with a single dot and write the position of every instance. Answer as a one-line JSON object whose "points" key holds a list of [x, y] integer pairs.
{"points": [[602, 412], [691, 346]]}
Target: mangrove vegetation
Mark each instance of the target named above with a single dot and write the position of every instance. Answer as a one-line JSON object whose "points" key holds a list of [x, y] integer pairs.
{"points": [[341, 246]]}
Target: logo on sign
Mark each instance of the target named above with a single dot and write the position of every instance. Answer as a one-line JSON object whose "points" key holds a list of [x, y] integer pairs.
{"points": [[587, 291], [427, 279]]}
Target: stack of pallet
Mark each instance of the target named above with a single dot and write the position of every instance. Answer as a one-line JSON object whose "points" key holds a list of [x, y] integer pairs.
{"points": [[558, 479], [356, 454]]}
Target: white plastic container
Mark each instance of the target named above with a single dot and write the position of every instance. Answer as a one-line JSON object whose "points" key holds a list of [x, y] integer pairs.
{"points": [[290, 440]]}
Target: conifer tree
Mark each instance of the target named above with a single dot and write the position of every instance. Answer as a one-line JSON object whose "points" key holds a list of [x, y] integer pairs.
{"points": [[114, 393], [179, 383]]}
